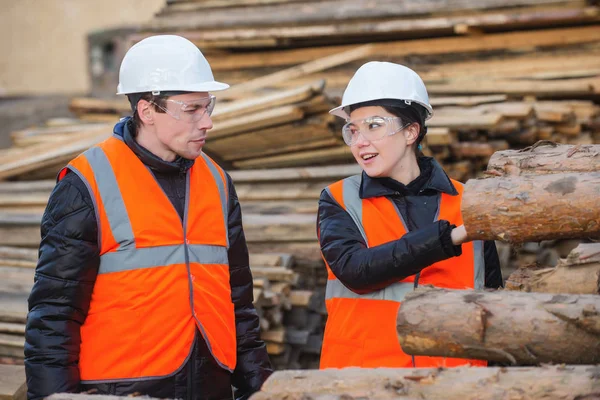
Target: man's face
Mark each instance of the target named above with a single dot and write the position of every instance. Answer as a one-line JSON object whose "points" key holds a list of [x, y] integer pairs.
{"points": [[182, 129]]}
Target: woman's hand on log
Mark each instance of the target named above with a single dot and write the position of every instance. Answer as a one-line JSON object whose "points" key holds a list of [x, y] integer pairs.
{"points": [[458, 235]]}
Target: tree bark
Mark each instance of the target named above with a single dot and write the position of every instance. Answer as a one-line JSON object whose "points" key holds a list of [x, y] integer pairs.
{"points": [[464, 383], [530, 208], [520, 328], [546, 157], [579, 273]]}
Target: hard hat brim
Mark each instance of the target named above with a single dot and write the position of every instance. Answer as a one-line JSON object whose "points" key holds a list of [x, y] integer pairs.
{"points": [[340, 111], [213, 86]]}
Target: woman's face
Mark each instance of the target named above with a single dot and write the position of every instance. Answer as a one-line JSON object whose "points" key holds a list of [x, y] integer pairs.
{"points": [[385, 156]]}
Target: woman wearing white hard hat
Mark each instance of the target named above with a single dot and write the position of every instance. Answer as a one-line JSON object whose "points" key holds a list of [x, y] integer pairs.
{"points": [[396, 226]]}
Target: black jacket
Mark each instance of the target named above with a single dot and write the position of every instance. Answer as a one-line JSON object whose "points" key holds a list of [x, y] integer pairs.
{"points": [[64, 279], [363, 269]]}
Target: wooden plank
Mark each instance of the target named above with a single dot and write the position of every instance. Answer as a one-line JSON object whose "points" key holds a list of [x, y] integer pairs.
{"points": [[275, 274], [279, 207], [572, 87], [17, 253], [12, 382], [339, 154], [303, 69], [396, 28], [323, 11], [41, 155], [12, 328], [329, 173], [12, 346], [268, 260], [275, 348], [278, 99], [287, 149], [301, 298], [270, 192], [16, 235], [296, 136], [274, 336], [473, 121], [438, 137], [262, 119], [84, 105], [439, 101], [489, 42]]}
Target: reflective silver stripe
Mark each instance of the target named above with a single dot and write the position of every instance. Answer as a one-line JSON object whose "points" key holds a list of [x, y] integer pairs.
{"points": [[479, 264], [149, 257], [109, 191], [208, 254], [93, 197], [222, 192], [395, 292], [353, 202]]}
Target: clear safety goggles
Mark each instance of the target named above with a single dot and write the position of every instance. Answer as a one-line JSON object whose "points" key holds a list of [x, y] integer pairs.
{"points": [[372, 129], [189, 111]]}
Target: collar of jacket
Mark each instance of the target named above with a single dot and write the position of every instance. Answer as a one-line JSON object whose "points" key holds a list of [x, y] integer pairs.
{"points": [[438, 181], [125, 127]]}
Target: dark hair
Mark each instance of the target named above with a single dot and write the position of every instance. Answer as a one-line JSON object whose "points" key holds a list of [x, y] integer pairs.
{"points": [[149, 97], [414, 113]]}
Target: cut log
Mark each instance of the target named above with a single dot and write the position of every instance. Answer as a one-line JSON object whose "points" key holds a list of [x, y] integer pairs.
{"points": [[579, 273], [575, 279], [520, 328], [523, 383], [531, 208], [546, 157]]}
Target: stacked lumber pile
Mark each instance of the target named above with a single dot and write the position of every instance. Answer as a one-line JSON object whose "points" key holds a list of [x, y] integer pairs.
{"points": [[501, 74], [291, 127], [291, 319]]}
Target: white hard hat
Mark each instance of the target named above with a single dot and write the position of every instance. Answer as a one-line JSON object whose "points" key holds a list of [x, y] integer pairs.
{"points": [[378, 80], [166, 63]]}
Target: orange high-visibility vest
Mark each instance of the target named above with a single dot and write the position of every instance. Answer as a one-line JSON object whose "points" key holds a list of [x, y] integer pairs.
{"points": [[361, 328], [159, 279]]}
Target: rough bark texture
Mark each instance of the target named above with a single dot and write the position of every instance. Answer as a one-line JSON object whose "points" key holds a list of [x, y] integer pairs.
{"points": [[520, 328], [579, 273], [576, 279], [464, 383], [530, 208], [546, 157]]}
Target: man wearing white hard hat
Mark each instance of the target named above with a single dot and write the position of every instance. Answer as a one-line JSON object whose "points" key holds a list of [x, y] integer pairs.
{"points": [[143, 284], [396, 226]]}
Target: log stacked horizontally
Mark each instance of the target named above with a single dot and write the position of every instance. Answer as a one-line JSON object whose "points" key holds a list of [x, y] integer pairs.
{"points": [[521, 203], [511, 327], [464, 383]]}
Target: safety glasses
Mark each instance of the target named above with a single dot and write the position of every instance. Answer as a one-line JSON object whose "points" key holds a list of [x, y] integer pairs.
{"points": [[189, 111], [372, 129]]}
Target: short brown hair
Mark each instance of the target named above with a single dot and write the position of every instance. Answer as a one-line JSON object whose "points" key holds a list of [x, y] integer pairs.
{"points": [[149, 97]]}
